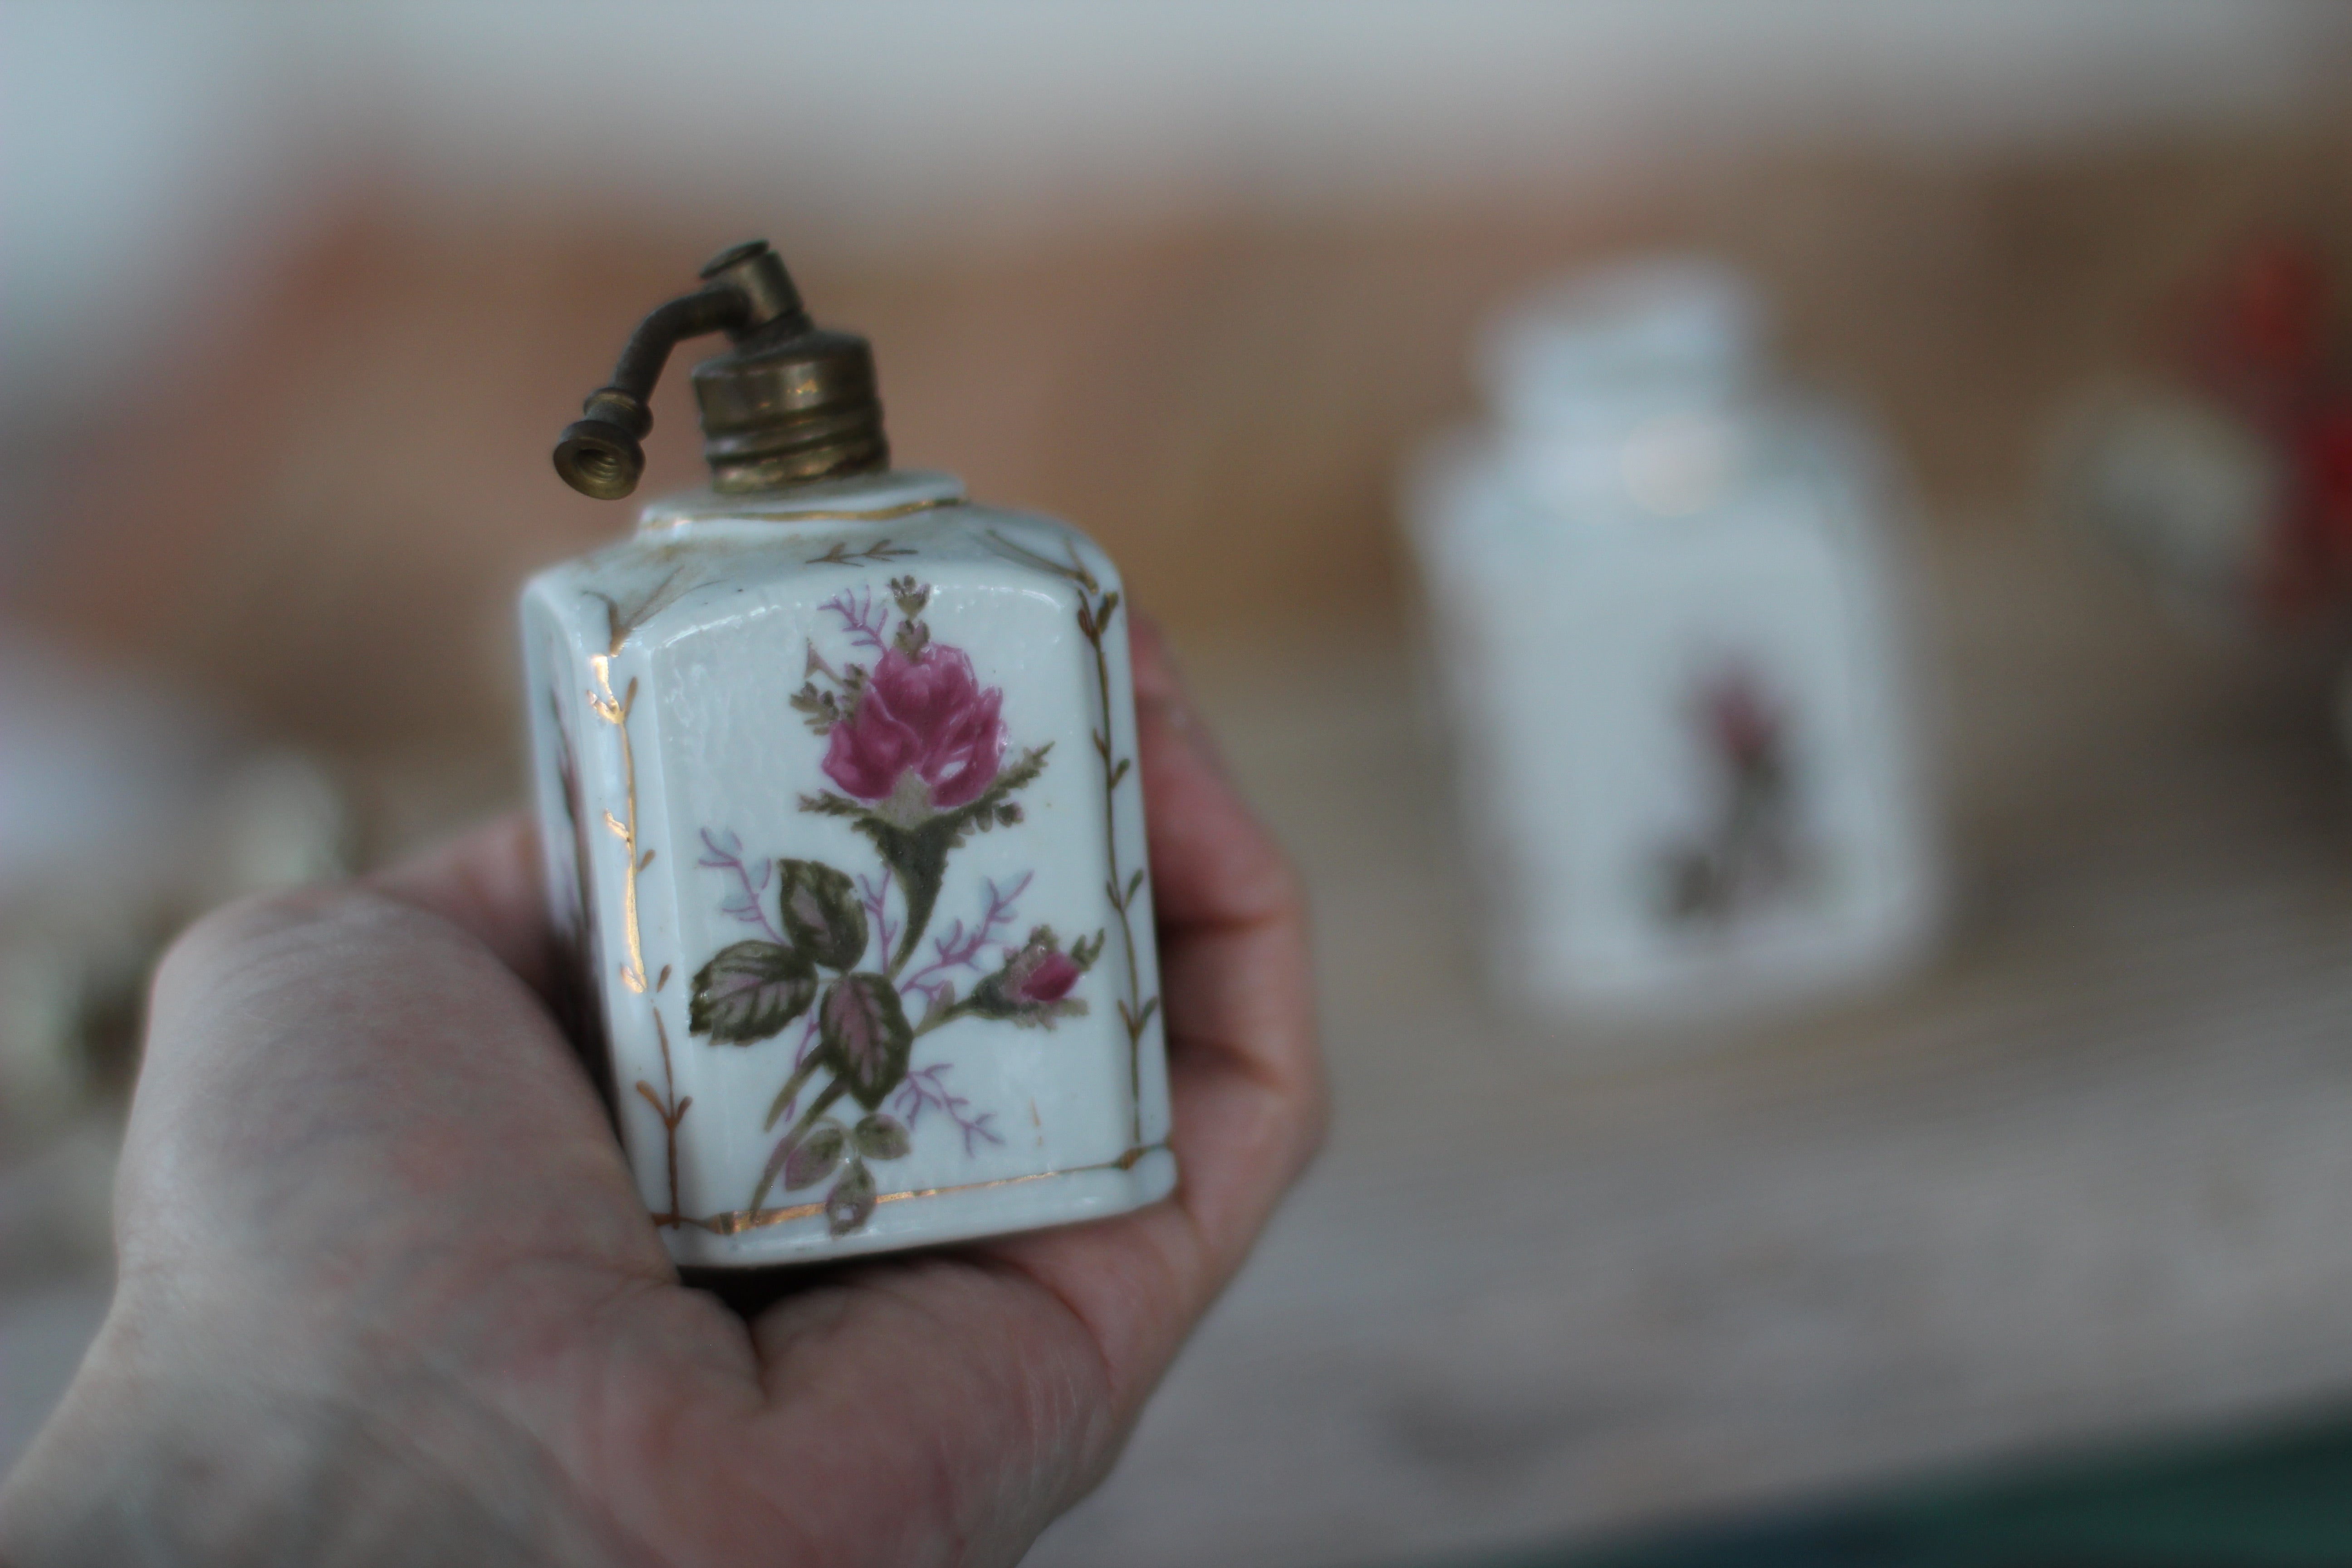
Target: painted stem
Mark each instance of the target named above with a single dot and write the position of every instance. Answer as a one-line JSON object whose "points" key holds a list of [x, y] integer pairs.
{"points": [[856, 618], [926, 1086], [943, 1017], [817, 1108], [672, 1110], [669, 1126], [720, 860], [1093, 621], [1094, 618], [785, 1096], [961, 949]]}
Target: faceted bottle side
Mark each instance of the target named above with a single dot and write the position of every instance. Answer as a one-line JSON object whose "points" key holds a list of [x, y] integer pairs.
{"points": [[878, 888]]}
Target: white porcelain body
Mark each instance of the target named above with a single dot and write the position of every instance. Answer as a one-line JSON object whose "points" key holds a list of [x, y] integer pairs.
{"points": [[1010, 1077], [1680, 704]]}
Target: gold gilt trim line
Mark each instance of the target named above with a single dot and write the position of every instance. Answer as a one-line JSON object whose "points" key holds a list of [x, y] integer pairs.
{"points": [[614, 710], [1096, 608], [812, 515], [737, 1221]]}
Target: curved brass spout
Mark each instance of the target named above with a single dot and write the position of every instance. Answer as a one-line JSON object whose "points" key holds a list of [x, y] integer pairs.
{"points": [[746, 293]]}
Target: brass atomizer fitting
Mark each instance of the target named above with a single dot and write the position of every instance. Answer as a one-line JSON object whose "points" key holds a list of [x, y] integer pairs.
{"points": [[789, 403]]}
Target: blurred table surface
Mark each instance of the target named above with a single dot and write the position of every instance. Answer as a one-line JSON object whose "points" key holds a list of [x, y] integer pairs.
{"points": [[2079, 1180]]}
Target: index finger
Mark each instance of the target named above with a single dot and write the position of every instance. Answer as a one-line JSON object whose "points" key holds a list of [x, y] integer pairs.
{"points": [[1213, 863], [488, 884]]}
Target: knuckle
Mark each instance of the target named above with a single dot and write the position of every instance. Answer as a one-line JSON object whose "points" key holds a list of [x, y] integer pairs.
{"points": [[1312, 1102], [1318, 1116], [220, 939], [1269, 883], [261, 915]]}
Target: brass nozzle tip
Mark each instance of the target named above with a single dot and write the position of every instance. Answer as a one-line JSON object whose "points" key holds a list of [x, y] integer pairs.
{"points": [[600, 459]]}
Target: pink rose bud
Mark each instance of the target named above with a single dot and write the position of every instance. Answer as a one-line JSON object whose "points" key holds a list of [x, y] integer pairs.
{"points": [[1044, 978]]}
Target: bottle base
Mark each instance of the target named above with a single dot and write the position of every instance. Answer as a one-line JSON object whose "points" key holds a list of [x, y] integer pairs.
{"points": [[800, 1232]]}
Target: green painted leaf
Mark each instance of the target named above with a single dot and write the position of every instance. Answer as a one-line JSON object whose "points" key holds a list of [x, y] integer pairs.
{"points": [[851, 1202], [811, 1157], [881, 1137], [865, 1037], [749, 991], [823, 913]]}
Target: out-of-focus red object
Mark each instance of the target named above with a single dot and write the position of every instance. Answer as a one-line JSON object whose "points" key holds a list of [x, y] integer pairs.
{"points": [[2322, 460], [2259, 338], [2259, 342]]}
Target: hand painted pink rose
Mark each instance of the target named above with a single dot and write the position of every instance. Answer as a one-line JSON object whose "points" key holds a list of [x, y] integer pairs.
{"points": [[926, 716]]}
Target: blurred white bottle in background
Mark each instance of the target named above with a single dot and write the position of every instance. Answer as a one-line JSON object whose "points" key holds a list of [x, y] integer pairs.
{"points": [[1666, 626]]}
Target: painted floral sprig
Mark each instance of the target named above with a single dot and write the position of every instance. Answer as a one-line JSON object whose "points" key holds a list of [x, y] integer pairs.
{"points": [[1096, 606], [917, 747]]}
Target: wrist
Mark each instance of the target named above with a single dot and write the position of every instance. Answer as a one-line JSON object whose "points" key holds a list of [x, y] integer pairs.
{"points": [[226, 1467]]}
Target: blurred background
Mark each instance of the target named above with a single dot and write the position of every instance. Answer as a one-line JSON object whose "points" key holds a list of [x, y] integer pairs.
{"points": [[293, 301]]}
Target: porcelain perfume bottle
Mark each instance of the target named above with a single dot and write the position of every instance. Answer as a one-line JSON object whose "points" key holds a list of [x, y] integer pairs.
{"points": [[1664, 611], [836, 775]]}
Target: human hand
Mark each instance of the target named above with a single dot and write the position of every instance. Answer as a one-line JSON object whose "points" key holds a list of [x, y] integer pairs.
{"points": [[387, 1292]]}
